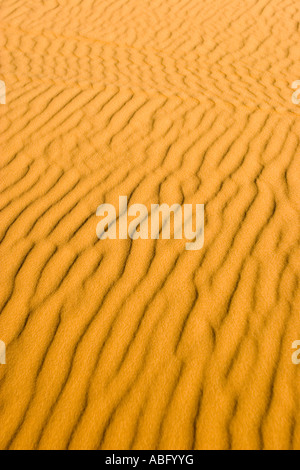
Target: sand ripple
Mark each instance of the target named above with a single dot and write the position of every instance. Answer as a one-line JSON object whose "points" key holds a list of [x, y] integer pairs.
{"points": [[121, 345]]}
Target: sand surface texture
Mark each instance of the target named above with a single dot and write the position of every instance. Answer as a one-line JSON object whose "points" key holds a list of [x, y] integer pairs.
{"points": [[143, 345]]}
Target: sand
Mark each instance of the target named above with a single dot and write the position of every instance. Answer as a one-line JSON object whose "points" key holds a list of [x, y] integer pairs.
{"points": [[143, 345]]}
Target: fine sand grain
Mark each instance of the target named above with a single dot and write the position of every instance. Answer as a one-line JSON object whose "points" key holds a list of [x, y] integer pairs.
{"points": [[143, 345]]}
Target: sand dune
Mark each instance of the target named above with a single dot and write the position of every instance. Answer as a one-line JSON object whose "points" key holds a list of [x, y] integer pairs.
{"points": [[143, 345]]}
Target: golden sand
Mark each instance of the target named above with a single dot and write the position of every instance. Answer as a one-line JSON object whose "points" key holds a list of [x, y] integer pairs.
{"points": [[143, 345]]}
